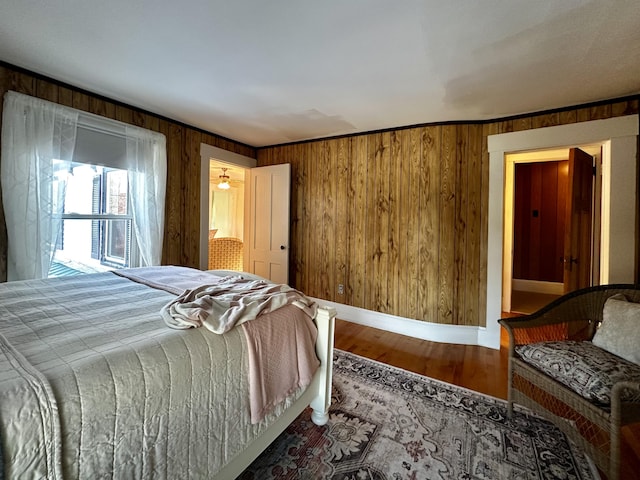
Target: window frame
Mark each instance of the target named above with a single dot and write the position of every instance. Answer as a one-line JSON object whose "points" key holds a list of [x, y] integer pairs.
{"points": [[103, 257]]}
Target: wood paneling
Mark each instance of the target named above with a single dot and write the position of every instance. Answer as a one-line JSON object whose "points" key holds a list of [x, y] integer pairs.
{"points": [[396, 182], [474, 212], [539, 240], [429, 221], [355, 219], [182, 206], [411, 149], [341, 172], [329, 189], [446, 254], [404, 209], [409, 214]]}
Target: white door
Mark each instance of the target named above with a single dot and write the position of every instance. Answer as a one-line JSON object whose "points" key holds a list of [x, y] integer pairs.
{"points": [[269, 192]]}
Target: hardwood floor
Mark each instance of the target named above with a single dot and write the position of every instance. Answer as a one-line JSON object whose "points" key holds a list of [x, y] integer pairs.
{"points": [[529, 302], [477, 368]]}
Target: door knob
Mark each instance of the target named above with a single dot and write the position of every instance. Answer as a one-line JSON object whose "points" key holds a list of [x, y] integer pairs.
{"points": [[568, 262], [282, 247]]}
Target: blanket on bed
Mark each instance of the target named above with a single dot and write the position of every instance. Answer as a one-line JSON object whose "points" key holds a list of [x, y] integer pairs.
{"points": [[26, 395], [216, 303], [287, 365], [230, 302], [221, 303]]}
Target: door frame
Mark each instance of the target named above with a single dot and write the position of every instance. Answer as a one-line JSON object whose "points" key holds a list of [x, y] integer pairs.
{"points": [[619, 184], [208, 153], [512, 159]]}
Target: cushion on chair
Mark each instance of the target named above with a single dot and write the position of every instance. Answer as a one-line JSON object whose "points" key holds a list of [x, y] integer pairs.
{"points": [[619, 332], [585, 368]]}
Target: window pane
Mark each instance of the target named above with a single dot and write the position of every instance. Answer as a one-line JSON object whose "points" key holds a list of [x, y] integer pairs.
{"points": [[74, 249], [79, 197], [116, 241], [89, 246], [116, 192], [95, 189]]}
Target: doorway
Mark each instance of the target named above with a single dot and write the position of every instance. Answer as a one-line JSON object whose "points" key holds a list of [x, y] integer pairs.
{"points": [[619, 193], [221, 157], [543, 259], [226, 216], [266, 211]]}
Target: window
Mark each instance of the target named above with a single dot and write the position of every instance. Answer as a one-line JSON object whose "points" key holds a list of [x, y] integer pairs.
{"points": [[96, 222], [81, 191]]}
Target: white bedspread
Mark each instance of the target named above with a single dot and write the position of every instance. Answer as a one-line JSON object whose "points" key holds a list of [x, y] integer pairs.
{"points": [[102, 388]]}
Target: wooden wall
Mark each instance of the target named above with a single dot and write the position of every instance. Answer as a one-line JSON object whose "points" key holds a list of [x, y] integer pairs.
{"points": [[400, 217], [396, 217], [182, 222], [538, 243]]}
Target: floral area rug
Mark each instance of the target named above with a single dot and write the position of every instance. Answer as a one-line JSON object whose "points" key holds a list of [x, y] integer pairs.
{"points": [[387, 423]]}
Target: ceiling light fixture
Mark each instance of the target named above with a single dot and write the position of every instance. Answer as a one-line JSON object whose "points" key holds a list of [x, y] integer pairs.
{"points": [[224, 180]]}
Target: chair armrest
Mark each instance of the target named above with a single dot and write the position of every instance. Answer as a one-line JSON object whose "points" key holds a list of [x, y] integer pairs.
{"points": [[629, 390], [573, 316], [625, 401]]}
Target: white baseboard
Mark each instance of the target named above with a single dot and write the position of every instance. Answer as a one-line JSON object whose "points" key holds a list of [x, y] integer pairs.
{"points": [[553, 288], [435, 332]]}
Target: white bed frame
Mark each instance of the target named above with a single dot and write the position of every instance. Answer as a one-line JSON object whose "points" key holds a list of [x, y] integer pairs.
{"points": [[317, 395]]}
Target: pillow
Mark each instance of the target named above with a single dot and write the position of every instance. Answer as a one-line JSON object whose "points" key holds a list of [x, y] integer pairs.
{"points": [[619, 332]]}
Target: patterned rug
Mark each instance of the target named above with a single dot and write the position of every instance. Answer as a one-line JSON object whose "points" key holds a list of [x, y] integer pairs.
{"points": [[387, 423]]}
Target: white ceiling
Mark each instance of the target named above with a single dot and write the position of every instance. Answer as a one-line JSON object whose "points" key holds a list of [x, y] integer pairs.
{"points": [[269, 72]]}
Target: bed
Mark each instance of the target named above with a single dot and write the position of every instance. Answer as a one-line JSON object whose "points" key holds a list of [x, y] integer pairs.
{"points": [[95, 384]]}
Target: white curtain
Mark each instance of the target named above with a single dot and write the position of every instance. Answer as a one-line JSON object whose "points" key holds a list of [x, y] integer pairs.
{"points": [[146, 161], [38, 139], [227, 212]]}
